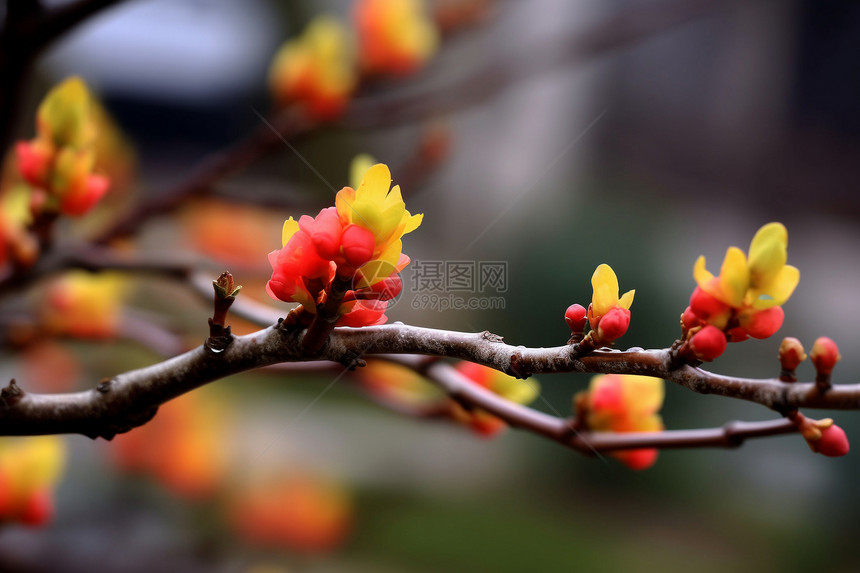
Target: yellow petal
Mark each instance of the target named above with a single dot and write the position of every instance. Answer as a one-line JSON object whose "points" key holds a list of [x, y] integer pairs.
{"points": [[343, 203], [381, 267], [290, 229], [413, 222], [767, 253], [643, 394], [627, 299], [359, 166], [374, 271], [779, 290], [375, 184], [734, 277], [702, 275], [605, 287], [510, 388], [651, 423]]}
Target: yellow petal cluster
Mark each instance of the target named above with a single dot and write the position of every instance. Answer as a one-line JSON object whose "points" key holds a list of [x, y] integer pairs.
{"points": [[380, 209], [605, 292], [759, 281]]}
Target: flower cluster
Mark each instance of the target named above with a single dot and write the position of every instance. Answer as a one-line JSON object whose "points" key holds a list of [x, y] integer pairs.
{"points": [[84, 305], [508, 387], [358, 240], [304, 512], [398, 384], [395, 36], [182, 447], [623, 403], [607, 315], [744, 300], [58, 164], [319, 70], [29, 469], [315, 69]]}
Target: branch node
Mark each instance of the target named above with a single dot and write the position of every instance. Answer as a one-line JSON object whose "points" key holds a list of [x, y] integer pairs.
{"points": [[787, 376], [490, 337], [352, 361], [517, 368], [734, 438], [219, 339], [104, 385], [11, 393]]}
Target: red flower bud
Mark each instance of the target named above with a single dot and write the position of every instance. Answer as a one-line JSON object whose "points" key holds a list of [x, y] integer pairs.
{"points": [[80, 198], [690, 320], [575, 317], [709, 308], [762, 323], [640, 459], [791, 354], [833, 442], [358, 245], [824, 355], [709, 343], [325, 232], [34, 159], [613, 324]]}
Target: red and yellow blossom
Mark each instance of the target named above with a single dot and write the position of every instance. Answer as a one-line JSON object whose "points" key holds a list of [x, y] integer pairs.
{"points": [[745, 299], [357, 240], [84, 305], [376, 209], [300, 511], [29, 470], [59, 163], [508, 387], [316, 70], [394, 36], [608, 315], [624, 403], [182, 447], [398, 384]]}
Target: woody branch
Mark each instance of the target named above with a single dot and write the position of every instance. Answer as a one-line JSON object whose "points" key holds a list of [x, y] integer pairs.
{"points": [[132, 398]]}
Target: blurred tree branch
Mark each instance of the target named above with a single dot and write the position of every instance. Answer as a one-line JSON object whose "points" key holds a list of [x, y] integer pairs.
{"points": [[28, 29]]}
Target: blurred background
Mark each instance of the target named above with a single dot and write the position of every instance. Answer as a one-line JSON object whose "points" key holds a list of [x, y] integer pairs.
{"points": [[550, 136]]}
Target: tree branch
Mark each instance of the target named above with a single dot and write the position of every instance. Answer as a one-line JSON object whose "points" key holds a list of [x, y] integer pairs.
{"points": [[131, 399]]}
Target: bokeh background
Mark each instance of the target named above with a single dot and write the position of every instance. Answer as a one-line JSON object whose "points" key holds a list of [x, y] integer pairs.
{"points": [[636, 133]]}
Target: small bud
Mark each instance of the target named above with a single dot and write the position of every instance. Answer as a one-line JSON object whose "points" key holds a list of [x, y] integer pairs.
{"points": [[833, 442], [791, 354], [613, 324], [575, 317], [709, 343], [824, 355], [225, 287]]}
